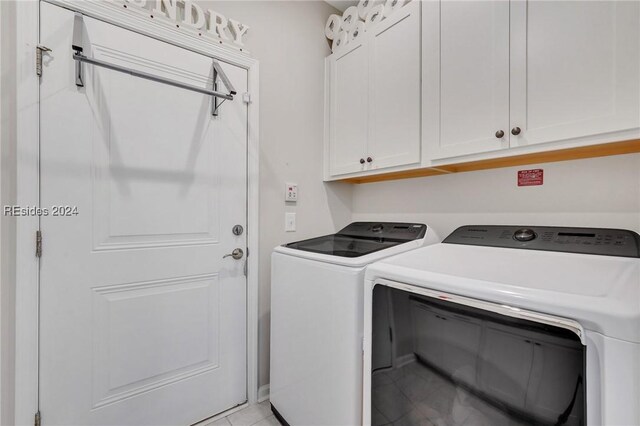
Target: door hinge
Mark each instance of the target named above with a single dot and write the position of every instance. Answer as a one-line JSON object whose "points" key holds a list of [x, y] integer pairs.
{"points": [[38, 245], [38, 419], [39, 50], [246, 97]]}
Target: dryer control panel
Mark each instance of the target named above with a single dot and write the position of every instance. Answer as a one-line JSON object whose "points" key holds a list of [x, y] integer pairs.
{"points": [[600, 241]]}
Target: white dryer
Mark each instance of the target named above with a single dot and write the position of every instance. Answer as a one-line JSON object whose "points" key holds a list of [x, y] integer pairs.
{"points": [[512, 325], [316, 319]]}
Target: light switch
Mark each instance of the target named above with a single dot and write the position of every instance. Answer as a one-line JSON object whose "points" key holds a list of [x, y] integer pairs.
{"points": [[291, 192], [289, 222]]}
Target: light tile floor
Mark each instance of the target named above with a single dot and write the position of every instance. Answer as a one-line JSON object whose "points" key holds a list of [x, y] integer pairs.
{"points": [[414, 395], [254, 415]]}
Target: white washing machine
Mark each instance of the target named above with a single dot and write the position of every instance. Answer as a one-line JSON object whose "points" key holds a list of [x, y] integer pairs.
{"points": [[316, 319], [512, 325]]}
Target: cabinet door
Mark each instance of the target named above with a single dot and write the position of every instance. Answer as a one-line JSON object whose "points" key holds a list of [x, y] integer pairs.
{"points": [[465, 77], [505, 366], [460, 346], [554, 378], [348, 111], [394, 89], [427, 334], [574, 69]]}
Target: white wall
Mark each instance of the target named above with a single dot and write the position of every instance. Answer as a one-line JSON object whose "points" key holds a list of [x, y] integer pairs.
{"points": [[287, 37], [602, 192], [7, 196]]}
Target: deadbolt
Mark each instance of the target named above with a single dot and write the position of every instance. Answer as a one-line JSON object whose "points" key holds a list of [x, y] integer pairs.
{"points": [[237, 230], [236, 254]]}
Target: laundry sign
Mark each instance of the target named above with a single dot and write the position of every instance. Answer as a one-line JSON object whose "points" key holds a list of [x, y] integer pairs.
{"points": [[191, 15], [530, 177]]}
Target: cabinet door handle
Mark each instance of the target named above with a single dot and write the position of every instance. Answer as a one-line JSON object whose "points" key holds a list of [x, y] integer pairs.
{"points": [[499, 134], [515, 131], [369, 159], [362, 161]]}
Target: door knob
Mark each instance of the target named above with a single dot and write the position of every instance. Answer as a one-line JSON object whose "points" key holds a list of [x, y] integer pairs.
{"points": [[515, 131], [499, 134], [236, 254], [369, 159], [362, 161]]}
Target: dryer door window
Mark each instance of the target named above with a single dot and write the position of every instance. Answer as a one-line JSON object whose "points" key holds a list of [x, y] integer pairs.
{"points": [[474, 367]]}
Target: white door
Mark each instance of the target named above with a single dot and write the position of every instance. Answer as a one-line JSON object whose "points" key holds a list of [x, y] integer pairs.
{"points": [[465, 77], [348, 111], [574, 69], [394, 89], [142, 321]]}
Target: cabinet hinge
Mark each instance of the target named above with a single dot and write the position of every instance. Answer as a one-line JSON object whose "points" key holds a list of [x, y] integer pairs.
{"points": [[37, 419], [246, 97], [38, 245], [39, 50]]}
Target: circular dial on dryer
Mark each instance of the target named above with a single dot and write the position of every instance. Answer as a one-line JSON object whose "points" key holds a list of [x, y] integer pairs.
{"points": [[524, 234]]}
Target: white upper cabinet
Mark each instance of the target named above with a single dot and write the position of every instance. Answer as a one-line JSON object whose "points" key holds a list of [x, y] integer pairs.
{"points": [[374, 97], [348, 110], [394, 92], [466, 77], [442, 82], [509, 74], [574, 69]]}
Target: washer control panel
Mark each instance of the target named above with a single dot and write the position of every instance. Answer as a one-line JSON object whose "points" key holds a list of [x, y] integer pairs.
{"points": [[385, 230], [600, 241]]}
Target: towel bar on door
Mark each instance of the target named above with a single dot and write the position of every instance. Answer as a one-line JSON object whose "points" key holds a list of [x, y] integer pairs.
{"points": [[80, 58]]}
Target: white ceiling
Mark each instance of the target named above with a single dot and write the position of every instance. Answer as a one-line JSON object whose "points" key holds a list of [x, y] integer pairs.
{"points": [[341, 5]]}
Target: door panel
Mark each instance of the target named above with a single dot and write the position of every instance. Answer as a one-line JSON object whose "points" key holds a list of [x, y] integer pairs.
{"points": [[395, 89], [142, 321], [348, 116], [574, 69], [139, 162], [465, 77]]}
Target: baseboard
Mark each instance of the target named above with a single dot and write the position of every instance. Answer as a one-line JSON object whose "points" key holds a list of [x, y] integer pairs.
{"points": [[263, 393], [403, 360]]}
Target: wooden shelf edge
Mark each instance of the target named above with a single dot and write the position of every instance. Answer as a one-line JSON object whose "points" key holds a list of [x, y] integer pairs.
{"points": [[592, 151]]}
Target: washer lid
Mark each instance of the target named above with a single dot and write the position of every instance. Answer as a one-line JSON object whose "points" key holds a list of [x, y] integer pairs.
{"points": [[602, 293], [362, 238], [354, 247]]}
